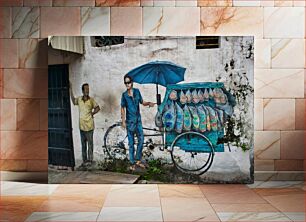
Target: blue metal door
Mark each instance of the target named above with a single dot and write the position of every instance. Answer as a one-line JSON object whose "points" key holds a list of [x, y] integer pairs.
{"points": [[60, 143]]}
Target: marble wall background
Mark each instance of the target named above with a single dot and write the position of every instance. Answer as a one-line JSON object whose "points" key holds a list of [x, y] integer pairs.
{"points": [[278, 27]]}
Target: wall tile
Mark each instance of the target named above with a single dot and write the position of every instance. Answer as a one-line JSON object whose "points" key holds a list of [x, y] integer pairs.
{"points": [[37, 2], [28, 114], [262, 53], [126, 21], [74, 3], [263, 165], [273, 83], [267, 145], [299, 3], [305, 83], [51, 17], [5, 22], [8, 114], [289, 165], [246, 3], [146, 3], [5, 3], [220, 3], [159, 21], [267, 3], [232, 21], [43, 118], [258, 114], [1, 83], [25, 83], [186, 3], [13, 165], [163, 3], [118, 3], [284, 22], [24, 145], [37, 165], [25, 22], [33, 53], [284, 3], [279, 114], [300, 114], [8, 53], [95, 21], [283, 49], [292, 145]]}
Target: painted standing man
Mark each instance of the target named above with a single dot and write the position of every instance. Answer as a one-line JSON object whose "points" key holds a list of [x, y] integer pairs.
{"points": [[87, 109], [131, 120]]}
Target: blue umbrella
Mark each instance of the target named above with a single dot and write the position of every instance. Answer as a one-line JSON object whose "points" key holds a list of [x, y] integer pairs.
{"points": [[159, 73]]}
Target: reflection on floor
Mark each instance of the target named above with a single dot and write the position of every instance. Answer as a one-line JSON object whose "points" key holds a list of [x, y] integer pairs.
{"points": [[261, 201]]}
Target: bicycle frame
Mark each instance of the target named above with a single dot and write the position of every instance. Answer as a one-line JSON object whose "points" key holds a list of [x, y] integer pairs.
{"points": [[161, 133]]}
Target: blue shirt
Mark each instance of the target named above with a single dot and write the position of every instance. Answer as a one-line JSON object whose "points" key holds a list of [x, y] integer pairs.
{"points": [[131, 104]]}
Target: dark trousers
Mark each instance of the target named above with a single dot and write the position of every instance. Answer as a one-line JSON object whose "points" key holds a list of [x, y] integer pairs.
{"points": [[87, 139]]}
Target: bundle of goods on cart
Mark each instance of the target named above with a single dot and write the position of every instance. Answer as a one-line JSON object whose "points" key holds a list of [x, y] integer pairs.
{"points": [[197, 107]]}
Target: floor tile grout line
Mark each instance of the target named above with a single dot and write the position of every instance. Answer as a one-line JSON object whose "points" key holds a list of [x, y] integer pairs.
{"points": [[272, 195], [111, 185], [60, 212], [209, 203], [258, 195], [279, 210], [267, 202], [254, 212], [160, 202]]}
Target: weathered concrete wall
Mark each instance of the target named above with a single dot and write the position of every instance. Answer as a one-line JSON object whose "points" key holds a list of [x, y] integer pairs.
{"points": [[104, 68]]}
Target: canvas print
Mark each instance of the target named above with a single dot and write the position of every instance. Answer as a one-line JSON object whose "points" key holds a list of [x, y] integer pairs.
{"points": [[158, 109]]}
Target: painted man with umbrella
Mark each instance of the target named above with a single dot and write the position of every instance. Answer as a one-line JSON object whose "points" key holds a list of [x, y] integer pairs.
{"points": [[157, 72]]}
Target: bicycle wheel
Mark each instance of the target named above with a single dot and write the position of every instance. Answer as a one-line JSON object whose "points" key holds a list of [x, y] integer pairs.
{"points": [[187, 155], [116, 142]]}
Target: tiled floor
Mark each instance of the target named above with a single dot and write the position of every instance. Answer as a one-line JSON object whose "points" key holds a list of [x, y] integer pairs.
{"points": [[261, 201]]}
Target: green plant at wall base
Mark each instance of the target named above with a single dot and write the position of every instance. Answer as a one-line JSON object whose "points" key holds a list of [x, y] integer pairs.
{"points": [[119, 166], [155, 170]]}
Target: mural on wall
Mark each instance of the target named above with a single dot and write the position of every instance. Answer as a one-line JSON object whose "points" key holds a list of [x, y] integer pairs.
{"points": [[152, 109]]}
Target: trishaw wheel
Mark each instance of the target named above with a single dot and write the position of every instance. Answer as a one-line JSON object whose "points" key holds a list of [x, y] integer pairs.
{"points": [[116, 142], [188, 160]]}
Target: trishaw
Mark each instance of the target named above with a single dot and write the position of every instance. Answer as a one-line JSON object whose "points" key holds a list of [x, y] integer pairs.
{"points": [[191, 151]]}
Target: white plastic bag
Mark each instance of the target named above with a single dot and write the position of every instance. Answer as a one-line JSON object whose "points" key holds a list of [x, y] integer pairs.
{"points": [[173, 95], [187, 118], [213, 118], [189, 96], [183, 98], [169, 118], [179, 119], [195, 97], [195, 118], [206, 95], [211, 93], [201, 95], [203, 120]]}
